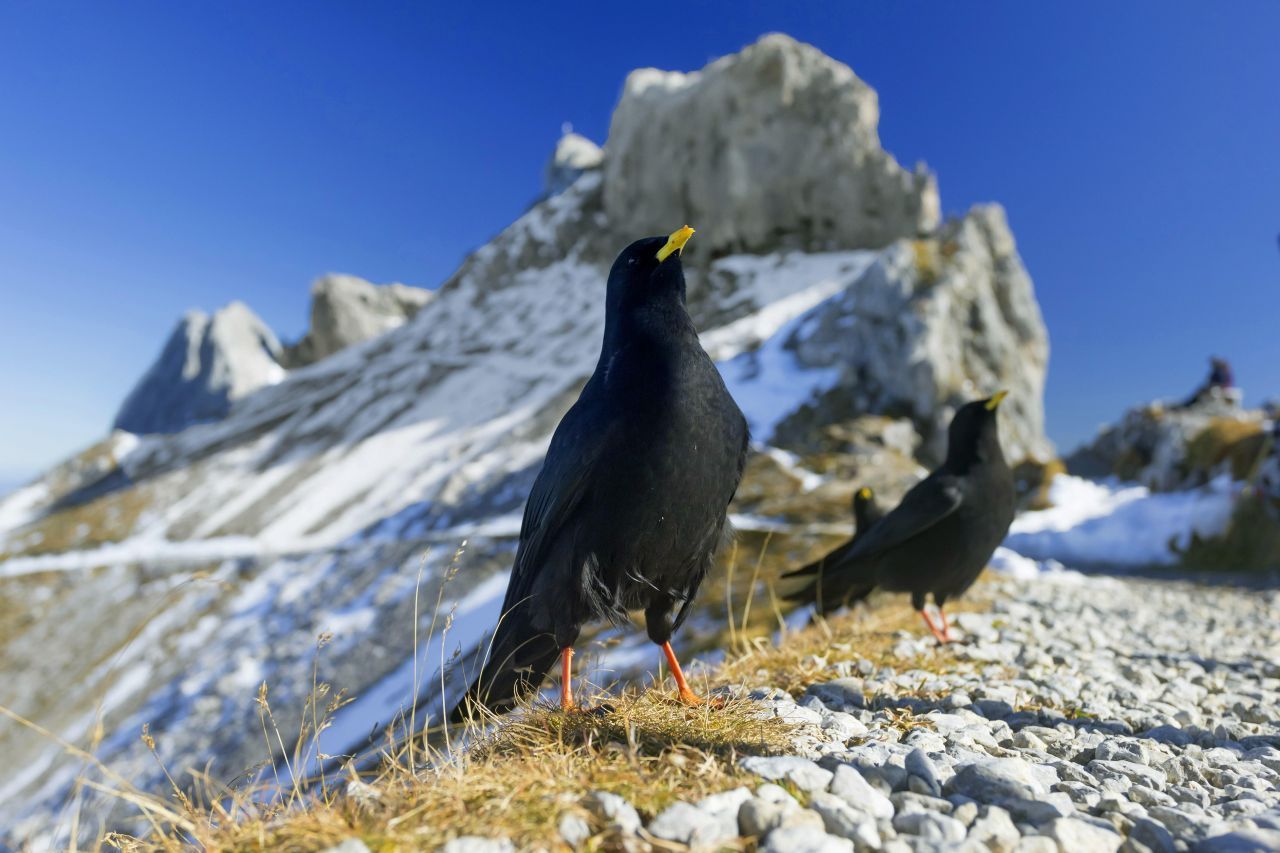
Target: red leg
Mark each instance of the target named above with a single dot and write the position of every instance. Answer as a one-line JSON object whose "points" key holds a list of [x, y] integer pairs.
{"points": [[928, 620], [946, 625], [566, 680], [687, 696]]}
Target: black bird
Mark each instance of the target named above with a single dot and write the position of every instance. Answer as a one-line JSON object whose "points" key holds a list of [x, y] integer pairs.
{"points": [[866, 512], [630, 504], [939, 539]]}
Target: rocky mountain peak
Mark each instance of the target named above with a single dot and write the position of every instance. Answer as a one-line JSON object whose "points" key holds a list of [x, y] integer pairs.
{"points": [[206, 364], [573, 155], [772, 147]]}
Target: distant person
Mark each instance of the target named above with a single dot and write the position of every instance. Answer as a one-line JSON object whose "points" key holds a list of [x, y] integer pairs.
{"points": [[1220, 380]]}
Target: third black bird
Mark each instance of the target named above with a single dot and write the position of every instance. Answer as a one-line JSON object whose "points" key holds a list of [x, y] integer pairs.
{"points": [[866, 512]]}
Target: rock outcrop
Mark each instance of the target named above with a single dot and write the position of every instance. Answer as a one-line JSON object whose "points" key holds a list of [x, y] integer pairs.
{"points": [[573, 155], [931, 325], [210, 362], [346, 310], [1168, 448], [207, 364], [1216, 443], [774, 147]]}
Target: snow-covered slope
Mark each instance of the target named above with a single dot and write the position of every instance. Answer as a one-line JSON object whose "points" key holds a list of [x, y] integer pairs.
{"points": [[1121, 524]]}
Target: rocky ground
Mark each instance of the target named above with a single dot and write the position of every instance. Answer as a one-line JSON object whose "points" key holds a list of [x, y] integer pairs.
{"points": [[1078, 713]]}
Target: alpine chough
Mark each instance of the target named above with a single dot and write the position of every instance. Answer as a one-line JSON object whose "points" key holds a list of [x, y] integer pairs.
{"points": [[629, 506]]}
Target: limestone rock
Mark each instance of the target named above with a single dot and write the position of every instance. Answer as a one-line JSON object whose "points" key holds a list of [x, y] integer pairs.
{"points": [[614, 811], [931, 325], [573, 155], [207, 364], [1167, 448], [799, 771], [346, 310], [773, 147]]}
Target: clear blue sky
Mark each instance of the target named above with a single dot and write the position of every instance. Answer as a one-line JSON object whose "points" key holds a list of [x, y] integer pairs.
{"points": [[157, 156]]}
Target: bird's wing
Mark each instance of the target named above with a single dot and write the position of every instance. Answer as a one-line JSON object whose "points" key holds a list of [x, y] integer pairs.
{"points": [[928, 502], [576, 447], [828, 562]]}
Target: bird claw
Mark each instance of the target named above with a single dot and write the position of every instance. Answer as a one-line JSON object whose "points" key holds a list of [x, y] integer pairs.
{"points": [[692, 700]]}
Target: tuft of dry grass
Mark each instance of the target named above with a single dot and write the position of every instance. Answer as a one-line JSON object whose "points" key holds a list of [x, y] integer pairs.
{"points": [[516, 780], [1237, 443], [1251, 542], [870, 633], [927, 260]]}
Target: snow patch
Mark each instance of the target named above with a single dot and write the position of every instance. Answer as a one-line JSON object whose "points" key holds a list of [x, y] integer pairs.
{"points": [[1120, 524], [768, 382]]}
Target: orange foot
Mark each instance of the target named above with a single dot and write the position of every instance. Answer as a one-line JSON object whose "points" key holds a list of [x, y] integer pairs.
{"points": [[684, 693], [693, 700]]}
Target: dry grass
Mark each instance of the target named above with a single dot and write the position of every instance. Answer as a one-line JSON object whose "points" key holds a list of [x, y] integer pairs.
{"points": [[1251, 542], [109, 518], [1239, 444], [869, 633], [520, 777], [517, 781]]}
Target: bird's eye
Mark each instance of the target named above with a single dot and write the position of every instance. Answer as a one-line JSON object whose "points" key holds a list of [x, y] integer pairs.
{"points": [[631, 262]]}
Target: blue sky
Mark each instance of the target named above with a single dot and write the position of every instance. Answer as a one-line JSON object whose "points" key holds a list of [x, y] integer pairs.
{"points": [[156, 157]]}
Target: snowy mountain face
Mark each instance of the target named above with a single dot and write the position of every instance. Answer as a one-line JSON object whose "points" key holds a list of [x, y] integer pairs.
{"points": [[197, 565]]}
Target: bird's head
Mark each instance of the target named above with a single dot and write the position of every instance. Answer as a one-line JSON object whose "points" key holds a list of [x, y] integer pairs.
{"points": [[648, 269], [973, 435], [865, 511], [863, 499]]}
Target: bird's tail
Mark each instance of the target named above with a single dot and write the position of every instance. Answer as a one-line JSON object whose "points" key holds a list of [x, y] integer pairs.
{"points": [[832, 584], [518, 660]]}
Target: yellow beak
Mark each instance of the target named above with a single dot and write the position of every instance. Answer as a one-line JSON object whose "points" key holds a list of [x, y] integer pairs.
{"points": [[675, 243], [996, 399], [864, 493]]}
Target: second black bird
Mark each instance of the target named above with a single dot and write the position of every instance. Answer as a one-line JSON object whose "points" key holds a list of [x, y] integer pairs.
{"points": [[630, 504], [939, 538]]}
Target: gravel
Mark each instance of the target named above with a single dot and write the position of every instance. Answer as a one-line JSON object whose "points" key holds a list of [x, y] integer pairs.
{"points": [[574, 830], [852, 787], [1079, 714], [802, 772], [614, 812]]}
